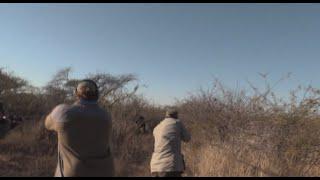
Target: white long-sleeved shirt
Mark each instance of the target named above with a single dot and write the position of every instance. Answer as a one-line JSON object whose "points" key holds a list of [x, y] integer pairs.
{"points": [[167, 155]]}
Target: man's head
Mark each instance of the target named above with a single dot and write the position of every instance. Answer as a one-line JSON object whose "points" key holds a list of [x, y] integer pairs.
{"points": [[87, 90], [172, 113]]}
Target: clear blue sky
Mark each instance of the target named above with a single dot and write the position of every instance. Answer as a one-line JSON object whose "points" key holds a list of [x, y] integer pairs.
{"points": [[173, 48]]}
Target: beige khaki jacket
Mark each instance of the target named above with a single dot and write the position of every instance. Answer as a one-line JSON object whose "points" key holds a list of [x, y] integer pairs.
{"points": [[84, 132], [167, 155]]}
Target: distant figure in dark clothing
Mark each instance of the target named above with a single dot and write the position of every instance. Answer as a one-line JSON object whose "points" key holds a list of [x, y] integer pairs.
{"points": [[4, 125], [3, 122], [15, 121], [1, 108], [141, 125]]}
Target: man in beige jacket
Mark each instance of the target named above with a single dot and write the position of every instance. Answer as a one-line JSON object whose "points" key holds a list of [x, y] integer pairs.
{"points": [[84, 131], [167, 159]]}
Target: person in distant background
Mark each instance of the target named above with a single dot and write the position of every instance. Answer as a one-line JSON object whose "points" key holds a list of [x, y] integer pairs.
{"points": [[1, 108], [141, 125], [4, 125], [4, 122], [13, 121], [84, 132], [167, 159]]}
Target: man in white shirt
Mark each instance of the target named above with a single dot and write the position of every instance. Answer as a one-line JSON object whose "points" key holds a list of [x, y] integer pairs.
{"points": [[167, 159]]}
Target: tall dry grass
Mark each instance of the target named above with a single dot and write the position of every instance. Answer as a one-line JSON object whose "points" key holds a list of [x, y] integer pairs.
{"points": [[258, 135]]}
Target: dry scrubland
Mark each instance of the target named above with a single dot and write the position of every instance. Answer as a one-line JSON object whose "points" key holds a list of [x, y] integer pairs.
{"points": [[233, 134]]}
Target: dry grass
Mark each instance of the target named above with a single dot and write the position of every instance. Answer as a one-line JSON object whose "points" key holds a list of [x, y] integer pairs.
{"points": [[239, 135]]}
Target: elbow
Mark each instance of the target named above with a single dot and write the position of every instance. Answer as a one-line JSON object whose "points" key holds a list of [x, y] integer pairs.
{"points": [[47, 123]]}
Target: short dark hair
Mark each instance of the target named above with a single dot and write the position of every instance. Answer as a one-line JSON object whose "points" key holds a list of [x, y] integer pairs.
{"points": [[172, 113], [87, 89]]}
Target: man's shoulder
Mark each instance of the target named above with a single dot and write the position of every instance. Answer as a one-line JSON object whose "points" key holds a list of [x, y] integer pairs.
{"points": [[171, 120], [174, 122], [59, 110], [168, 122], [103, 112], [62, 107]]}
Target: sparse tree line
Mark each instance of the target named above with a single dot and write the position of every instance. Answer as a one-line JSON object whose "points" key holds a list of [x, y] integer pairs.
{"points": [[18, 97]]}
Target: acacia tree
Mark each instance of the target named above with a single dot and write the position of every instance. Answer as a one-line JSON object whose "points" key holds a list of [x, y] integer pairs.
{"points": [[14, 92], [113, 89], [10, 83]]}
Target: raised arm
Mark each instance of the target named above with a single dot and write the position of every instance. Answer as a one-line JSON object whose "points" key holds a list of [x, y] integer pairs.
{"points": [[49, 123], [54, 120]]}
